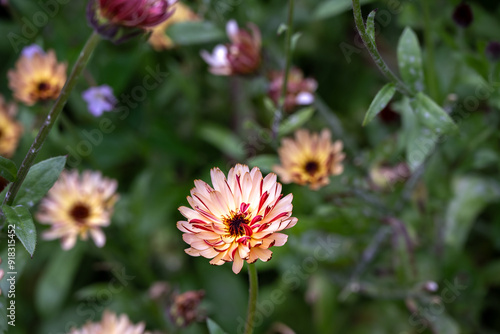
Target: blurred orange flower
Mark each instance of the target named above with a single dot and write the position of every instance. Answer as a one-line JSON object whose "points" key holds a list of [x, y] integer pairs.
{"points": [[76, 206], [10, 129], [182, 13], [111, 324], [37, 77], [309, 159], [238, 219]]}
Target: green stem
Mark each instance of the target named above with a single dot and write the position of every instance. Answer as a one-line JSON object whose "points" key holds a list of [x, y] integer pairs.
{"points": [[430, 72], [288, 63], [372, 49], [252, 300], [58, 106]]}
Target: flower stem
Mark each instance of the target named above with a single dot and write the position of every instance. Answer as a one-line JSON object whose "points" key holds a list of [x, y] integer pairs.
{"points": [[372, 49], [252, 300], [430, 72], [288, 61], [58, 106]]}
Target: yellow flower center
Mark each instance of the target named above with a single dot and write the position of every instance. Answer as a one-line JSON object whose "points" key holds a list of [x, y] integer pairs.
{"points": [[235, 224], [80, 212]]}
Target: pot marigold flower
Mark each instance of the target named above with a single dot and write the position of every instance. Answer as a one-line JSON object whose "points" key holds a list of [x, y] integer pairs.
{"points": [[111, 324], [309, 159], [10, 129], [242, 56], [76, 206], [158, 39], [238, 219], [37, 77], [119, 20], [300, 90]]}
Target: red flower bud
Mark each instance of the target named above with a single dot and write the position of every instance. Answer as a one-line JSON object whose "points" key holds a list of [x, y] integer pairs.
{"points": [[119, 20], [241, 56], [300, 90]]}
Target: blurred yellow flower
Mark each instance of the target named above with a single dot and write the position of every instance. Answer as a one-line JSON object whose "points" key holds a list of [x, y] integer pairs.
{"points": [[111, 324], [309, 159], [10, 129], [238, 219], [76, 206], [158, 39], [37, 77]]}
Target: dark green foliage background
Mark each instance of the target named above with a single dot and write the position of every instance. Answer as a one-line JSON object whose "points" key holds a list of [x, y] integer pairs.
{"points": [[193, 121]]}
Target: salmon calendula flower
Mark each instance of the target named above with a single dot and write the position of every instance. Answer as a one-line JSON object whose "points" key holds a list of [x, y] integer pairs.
{"points": [[238, 219], [299, 92], [76, 206], [241, 56], [309, 159], [158, 39], [111, 324], [10, 129], [119, 20], [37, 77]]}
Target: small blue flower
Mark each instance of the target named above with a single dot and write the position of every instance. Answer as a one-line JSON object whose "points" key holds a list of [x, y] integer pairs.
{"points": [[31, 50], [99, 99]]}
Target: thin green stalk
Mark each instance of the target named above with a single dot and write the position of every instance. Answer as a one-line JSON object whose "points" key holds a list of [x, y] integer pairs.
{"points": [[372, 49], [430, 71], [58, 106], [288, 63], [252, 300]]}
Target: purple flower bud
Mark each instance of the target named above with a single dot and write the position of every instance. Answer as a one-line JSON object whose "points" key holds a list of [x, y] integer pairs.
{"points": [[493, 51], [462, 15]]}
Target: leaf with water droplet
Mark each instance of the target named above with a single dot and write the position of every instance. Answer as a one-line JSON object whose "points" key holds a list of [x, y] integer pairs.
{"points": [[20, 217], [39, 180], [410, 60], [370, 25], [431, 115], [380, 101]]}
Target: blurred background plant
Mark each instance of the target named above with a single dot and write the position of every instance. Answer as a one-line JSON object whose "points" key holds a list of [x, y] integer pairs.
{"points": [[405, 240]]}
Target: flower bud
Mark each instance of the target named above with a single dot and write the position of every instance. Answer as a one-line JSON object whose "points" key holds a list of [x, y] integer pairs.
{"points": [[493, 51], [300, 90], [241, 56], [462, 15], [184, 309], [119, 20]]}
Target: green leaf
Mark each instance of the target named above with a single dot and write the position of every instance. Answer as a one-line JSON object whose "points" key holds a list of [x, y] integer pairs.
{"points": [[224, 140], [379, 102], [471, 195], [295, 40], [332, 8], [213, 327], [39, 180], [8, 169], [20, 217], [432, 115], [189, 33], [370, 25], [265, 162], [56, 280], [295, 121], [418, 141], [410, 60]]}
